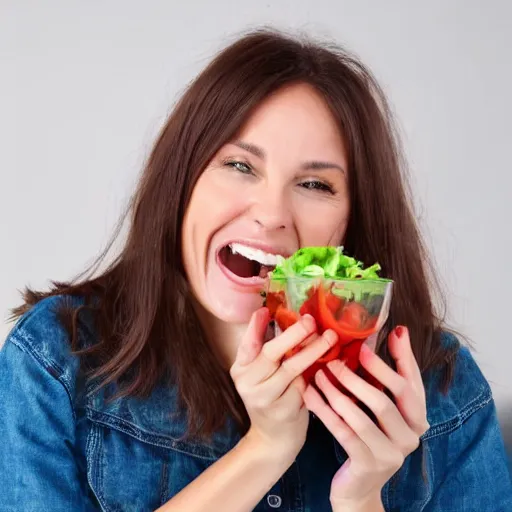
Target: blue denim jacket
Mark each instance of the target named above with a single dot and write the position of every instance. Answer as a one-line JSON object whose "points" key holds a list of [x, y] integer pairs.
{"points": [[63, 450]]}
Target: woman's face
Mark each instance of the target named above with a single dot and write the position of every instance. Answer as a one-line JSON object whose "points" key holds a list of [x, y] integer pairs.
{"points": [[281, 184]]}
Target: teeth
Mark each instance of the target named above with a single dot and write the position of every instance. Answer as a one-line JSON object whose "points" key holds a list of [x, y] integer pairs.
{"points": [[264, 258]]}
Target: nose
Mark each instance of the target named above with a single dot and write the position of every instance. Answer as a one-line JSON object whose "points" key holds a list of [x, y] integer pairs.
{"points": [[271, 211]]}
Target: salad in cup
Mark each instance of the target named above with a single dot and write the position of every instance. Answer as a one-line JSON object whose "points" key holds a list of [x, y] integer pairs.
{"points": [[339, 292]]}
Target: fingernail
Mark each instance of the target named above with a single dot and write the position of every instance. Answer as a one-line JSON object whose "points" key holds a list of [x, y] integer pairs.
{"points": [[399, 331], [330, 336], [320, 376], [309, 322], [366, 349], [336, 365]]}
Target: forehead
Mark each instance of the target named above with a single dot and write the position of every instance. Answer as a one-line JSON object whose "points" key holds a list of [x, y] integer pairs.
{"points": [[294, 117]]}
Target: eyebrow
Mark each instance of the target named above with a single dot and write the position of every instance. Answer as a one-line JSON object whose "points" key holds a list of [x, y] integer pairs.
{"points": [[314, 165]]}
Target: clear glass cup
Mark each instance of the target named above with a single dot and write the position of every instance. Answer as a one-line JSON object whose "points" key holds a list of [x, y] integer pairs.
{"points": [[356, 309]]}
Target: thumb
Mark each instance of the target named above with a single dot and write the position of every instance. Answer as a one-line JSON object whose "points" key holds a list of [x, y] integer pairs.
{"points": [[254, 337]]}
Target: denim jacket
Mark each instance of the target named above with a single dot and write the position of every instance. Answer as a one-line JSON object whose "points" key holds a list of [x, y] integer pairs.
{"points": [[64, 449]]}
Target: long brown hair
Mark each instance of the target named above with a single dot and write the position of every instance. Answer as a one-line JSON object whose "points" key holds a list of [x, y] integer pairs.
{"points": [[148, 331]]}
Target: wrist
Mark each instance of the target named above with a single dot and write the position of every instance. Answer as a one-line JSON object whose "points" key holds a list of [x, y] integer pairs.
{"points": [[369, 504], [262, 451]]}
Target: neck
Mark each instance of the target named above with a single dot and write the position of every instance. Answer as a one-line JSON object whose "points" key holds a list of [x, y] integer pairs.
{"points": [[224, 337]]}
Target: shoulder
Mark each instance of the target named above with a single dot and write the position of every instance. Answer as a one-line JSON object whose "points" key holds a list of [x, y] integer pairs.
{"points": [[467, 393], [41, 334]]}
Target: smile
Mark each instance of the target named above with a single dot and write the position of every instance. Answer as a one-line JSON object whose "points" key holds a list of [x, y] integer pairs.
{"points": [[247, 262]]}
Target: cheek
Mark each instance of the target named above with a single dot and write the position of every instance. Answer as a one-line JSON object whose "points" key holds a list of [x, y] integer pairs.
{"points": [[322, 223], [213, 205]]}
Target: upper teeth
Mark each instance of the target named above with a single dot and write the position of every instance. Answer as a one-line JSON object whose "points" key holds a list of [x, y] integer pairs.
{"points": [[265, 258]]}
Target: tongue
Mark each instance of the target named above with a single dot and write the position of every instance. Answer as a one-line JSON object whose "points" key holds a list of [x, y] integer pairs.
{"points": [[242, 266], [264, 271]]}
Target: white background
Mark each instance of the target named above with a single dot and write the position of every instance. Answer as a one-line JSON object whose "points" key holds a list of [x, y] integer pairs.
{"points": [[85, 86]]}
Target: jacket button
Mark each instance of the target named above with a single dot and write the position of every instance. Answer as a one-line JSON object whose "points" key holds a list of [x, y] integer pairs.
{"points": [[274, 501]]}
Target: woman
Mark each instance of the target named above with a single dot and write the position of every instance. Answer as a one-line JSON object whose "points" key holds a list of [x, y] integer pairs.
{"points": [[154, 385]]}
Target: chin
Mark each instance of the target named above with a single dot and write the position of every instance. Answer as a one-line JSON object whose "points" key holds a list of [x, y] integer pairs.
{"points": [[232, 306]]}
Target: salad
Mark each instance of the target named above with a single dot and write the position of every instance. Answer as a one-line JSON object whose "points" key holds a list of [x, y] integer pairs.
{"points": [[339, 292]]}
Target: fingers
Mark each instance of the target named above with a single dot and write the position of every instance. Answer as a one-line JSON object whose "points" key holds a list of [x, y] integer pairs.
{"points": [[389, 417], [267, 360], [399, 344], [352, 444], [252, 342], [355, 418], [297, 364], [409, 400], [275, 349], [372, 363]]}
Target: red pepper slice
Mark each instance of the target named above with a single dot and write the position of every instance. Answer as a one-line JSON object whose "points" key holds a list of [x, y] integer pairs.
{"points": [[274, 300], [292, 352], [285, 318], [354, 316], [334, 303], [309, 306], [327, 319], [331, 354], [350, 354]]}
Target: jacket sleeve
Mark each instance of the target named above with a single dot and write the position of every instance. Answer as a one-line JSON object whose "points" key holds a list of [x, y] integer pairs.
{"points": [[38, 468], [471, 470]]}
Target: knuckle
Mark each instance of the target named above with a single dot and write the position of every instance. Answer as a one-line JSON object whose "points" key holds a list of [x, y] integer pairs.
{"points": [[344, 434], [289, 367], [384, 406], [234, 371], [414, 445], [410, 445], [259, 402], [281, 414], [400, 388], [396, 460], [337, 404], [242, 389], [420, 426], [267, 350], [361, 469], [305, 327]]}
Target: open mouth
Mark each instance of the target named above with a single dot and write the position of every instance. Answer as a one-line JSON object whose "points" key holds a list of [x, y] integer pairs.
{"points": [[247, 262]]}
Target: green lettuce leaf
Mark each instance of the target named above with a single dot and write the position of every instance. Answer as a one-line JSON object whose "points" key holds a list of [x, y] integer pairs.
{"points": [[327, 262]]}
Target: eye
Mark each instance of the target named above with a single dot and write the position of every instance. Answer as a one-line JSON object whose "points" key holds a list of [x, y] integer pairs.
{"points": [[317, 185], [239, 166]]}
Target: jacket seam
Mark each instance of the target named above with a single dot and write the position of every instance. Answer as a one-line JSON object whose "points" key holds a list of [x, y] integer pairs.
{"points": [[134, 431], [17, 338], [456, 422]]}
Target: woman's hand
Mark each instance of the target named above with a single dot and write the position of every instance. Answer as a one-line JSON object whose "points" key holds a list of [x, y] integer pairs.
{"points": [[375, 454], [272, 389]]}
